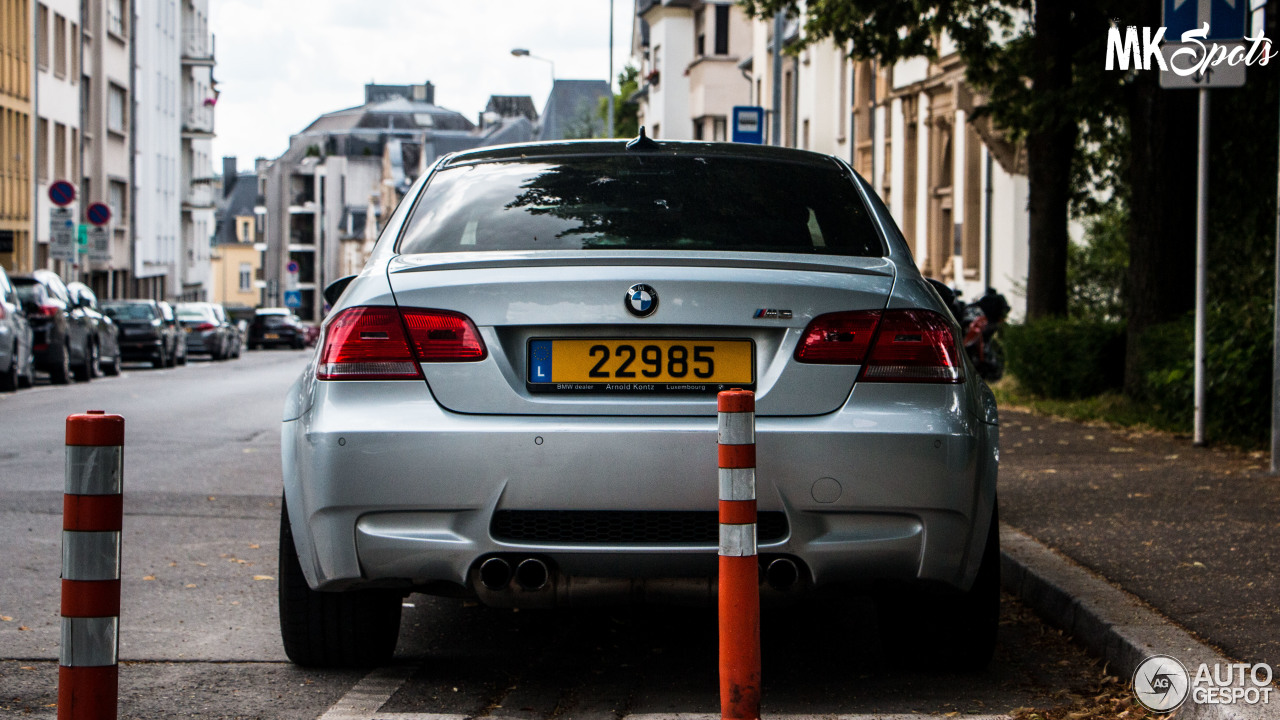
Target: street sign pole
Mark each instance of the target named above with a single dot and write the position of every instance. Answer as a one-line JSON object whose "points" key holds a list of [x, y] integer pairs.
{"points": [[1202, 233], [1275, 351]]}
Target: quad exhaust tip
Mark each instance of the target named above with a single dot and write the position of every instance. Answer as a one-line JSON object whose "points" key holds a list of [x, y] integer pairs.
{"points": [[532, 574], [782, 574], [495, 573]]}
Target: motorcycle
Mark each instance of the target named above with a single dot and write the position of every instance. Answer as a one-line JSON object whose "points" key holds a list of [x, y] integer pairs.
{"points": [[980, 321]]}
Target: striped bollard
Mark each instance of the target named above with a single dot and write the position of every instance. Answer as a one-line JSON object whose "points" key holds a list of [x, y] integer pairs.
{"points": [[92, 518], [739, 595]]}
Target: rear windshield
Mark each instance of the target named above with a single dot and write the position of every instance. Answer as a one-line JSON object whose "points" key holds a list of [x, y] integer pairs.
{"points": [[130, 311], [190, 313], [272, 320], [639, 202]]}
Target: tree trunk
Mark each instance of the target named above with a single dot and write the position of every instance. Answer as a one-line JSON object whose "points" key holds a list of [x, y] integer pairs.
{"points": [[1162, 215], [1050, 148]]}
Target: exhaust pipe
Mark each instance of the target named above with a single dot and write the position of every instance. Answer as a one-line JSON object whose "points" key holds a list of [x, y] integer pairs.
{"points": [[782, 574], [532, 574], [495, 573]]}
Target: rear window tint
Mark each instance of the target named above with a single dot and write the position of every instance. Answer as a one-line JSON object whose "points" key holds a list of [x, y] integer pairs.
{"points": [[130, 311], [642, 202]]}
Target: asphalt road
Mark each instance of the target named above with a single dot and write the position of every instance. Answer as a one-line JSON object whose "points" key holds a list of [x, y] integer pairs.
{"points": [[199, 630]]}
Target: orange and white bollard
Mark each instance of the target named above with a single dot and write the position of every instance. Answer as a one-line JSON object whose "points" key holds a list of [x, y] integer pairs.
{"points": [[739, 595], [92, 518]]}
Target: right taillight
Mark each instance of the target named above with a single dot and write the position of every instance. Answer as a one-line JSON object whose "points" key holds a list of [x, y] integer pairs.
{"points": [[385, 343], [914, 346], [891, 345]]}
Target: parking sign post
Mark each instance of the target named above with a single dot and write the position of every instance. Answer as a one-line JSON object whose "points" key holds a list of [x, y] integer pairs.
{"points": [[739, 591]]}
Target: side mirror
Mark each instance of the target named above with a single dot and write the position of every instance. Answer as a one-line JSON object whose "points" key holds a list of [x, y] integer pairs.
{"points": [[334, 291]]}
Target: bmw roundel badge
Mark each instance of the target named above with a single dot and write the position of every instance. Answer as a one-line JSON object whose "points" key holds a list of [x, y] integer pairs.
{"points": [[642, 300]]}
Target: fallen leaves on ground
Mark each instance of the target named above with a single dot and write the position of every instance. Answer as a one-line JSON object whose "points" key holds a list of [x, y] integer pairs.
{"points": [[1111, 700]]}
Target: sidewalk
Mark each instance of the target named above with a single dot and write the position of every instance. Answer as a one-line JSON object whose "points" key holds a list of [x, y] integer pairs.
{"points": [[1194, 532]]}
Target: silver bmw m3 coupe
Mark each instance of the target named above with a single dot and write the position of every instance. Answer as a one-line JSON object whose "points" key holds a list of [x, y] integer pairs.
{"points": [[515, 400]]}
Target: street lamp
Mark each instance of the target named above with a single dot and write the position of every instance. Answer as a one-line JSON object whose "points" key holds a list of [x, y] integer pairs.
{"points": [[523, 52]]}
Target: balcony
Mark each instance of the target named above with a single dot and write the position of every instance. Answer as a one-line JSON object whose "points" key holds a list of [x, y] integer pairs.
{"points": [[197, 49], [198, 196], [197, 123]]}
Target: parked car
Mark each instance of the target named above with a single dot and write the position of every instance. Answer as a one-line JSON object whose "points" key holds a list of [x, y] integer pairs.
{"points": [[235, 340], [64, 334], [276, 327], [105, 332], [206, 332], [17, 361], [179, 332], [516, 400], [146, 334]]}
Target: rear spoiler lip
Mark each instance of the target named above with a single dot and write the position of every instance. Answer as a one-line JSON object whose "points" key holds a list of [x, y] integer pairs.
{"points": [[428, 262]]}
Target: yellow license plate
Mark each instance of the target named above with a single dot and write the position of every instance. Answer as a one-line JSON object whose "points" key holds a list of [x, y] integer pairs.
{"points": [[271, 336], [655, 364]]}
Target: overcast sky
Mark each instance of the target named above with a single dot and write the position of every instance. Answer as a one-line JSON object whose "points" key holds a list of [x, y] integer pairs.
{"points": [[281, 63]]}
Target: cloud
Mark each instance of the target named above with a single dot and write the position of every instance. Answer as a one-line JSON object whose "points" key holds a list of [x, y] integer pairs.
{"points": [[281, 63]]}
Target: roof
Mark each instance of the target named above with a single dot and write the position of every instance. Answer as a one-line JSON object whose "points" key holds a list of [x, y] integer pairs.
{"points": [[538, 150], [397, 113], [512, 106], [240, 201], [572, 110]]}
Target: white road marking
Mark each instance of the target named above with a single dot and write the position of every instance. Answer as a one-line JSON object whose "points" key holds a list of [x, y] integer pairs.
{"points": [[371, 693]]}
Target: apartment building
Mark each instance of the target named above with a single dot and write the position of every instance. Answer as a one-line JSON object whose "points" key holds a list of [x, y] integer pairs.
{"points": [[323, 198], [158, 252], [16, 137], [106, 130], [236, 265], [199, 98], [58, 116]]}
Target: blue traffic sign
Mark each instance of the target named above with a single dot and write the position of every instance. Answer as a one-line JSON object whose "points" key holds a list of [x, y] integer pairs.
{"points": [[98, 213], [62, 193], [1227, 19], [293, 298], [748, 124]]}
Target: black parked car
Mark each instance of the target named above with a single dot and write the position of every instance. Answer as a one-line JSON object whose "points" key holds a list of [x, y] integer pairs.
{"points": [[106, 335], [64, 335], [146, 334], [276, 327]]}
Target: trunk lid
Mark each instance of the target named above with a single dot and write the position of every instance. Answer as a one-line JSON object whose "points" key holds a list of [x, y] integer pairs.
{"points": [[745, 308]]}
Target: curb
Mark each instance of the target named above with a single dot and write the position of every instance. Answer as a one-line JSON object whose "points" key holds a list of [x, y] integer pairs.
{"points": [[1108, 622]]}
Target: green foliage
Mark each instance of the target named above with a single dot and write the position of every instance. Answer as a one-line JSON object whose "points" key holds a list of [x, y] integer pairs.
{"points": [[1238, 369], [1097, 270], [626, 118], [1066, 358]]}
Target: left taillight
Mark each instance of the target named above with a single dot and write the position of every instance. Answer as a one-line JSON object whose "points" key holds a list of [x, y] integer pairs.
{"points": [[385, 343]]}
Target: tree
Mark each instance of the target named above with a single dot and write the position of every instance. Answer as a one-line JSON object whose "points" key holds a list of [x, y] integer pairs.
{"points": [[626, 121]]}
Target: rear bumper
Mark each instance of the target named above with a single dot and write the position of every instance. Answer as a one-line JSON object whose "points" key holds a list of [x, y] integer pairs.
{"points": [[383, 486], [199, 342], [141, 349]]}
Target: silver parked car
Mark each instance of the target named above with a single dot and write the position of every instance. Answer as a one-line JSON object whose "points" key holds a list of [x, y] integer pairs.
{"points": [[17, 358], [515, 400]]}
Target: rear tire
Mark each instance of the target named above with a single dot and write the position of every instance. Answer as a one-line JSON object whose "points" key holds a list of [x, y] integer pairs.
{"points": [[60, 368], [9, 380], [948, 631], [353, 628], [112, 368], [161, 360], [89, 361]]}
